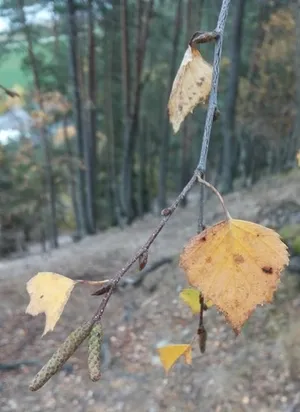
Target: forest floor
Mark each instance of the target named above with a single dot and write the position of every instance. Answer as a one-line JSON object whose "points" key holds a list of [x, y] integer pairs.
{"points": [[257, 371]]}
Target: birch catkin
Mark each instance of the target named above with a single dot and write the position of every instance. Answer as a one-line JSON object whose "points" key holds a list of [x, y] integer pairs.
{"points": [[94, 354], [62, 354]]}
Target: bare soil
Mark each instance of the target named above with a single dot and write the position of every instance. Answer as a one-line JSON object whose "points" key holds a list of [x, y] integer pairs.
{"points": [[257, 371]]}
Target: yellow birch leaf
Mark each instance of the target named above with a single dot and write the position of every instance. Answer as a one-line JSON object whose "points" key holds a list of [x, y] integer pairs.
{"points": [[171, 353], [237, 265], [191, 86], [188, 355], [191, 298], [49, 293]]}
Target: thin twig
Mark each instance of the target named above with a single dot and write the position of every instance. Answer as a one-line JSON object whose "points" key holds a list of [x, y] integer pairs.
{"points": [[212, 112], [9, 92], [143, 249], [212, 103], [201, 225]]}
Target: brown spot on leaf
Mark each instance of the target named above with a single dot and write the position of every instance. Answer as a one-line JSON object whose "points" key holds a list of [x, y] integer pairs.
{"points": [[199, 84], [41, 297], [203, 239], [208, 259], [267, 269], [238, 259]]}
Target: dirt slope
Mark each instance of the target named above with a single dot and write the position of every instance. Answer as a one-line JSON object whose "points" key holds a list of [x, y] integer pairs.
{"points": [[258, 371]]}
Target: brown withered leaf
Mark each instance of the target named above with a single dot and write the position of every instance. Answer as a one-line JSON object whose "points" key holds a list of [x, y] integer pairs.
{"points": [[191, 86]]}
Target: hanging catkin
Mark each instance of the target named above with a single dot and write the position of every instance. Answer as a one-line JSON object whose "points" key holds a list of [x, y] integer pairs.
{"points": [[62, 354], [94, 354]]}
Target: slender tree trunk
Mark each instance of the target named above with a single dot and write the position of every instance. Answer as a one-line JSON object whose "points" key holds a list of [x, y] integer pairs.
{"points": [[247, 142], [126, 188], [72, 178], [143, 194], [115, 208], [229, 115], [128, 199], [91, 141], [49, 178], [296, 133], [164, 152], [74, 71]]}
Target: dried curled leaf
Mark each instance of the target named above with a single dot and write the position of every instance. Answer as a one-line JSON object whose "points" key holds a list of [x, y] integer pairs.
{"points": [[61, 355], [171, 353], [49, 293], [191, 86], [191, 298], [94, 353], [237, 265]]}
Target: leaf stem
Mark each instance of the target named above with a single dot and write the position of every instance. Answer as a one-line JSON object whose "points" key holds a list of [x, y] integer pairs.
{"points": [[211, 187]]}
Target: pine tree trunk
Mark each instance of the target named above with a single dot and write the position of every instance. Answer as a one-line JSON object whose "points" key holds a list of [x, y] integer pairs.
{"points": [[74, 72], [91, 146], [229, 141], [49, 178], [129, 203]]}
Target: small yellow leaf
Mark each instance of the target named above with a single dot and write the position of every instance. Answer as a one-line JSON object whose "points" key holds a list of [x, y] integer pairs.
{"points": [[191, 86], [236, 264], [171, 353], [188, 355], [191, 298], [49, 293]]}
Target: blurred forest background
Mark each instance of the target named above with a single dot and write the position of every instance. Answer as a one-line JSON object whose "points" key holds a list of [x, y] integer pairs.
{"points": [[88, 144]]}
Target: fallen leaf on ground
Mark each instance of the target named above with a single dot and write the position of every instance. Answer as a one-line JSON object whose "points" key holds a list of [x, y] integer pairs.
{"points": [[49, 293], [236, 264], [169, 354], [191, 86], [191, 298]]}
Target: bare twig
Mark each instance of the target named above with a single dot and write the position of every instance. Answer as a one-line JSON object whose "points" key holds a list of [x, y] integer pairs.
{"points": [[137, 279], [212, 103], [143, 249], [212, 112], [212, 107], [201, 225]]}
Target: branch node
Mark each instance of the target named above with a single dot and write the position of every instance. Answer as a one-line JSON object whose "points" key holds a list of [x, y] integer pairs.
{"points": [[217, 114], [166, 212], [200, 37]]}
